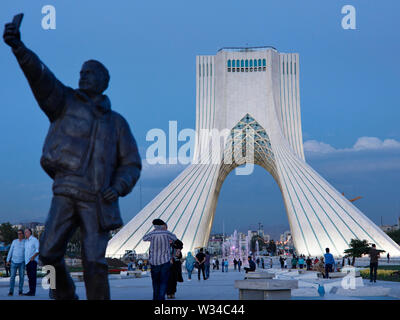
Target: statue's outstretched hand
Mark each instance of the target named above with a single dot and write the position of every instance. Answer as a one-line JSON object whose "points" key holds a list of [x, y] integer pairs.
{"points": [[12, 36]]}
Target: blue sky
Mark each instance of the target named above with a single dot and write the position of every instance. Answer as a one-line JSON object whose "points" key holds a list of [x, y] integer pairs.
{"points": [[349, 90]]}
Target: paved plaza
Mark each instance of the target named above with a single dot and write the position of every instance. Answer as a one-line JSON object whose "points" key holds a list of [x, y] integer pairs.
{"points": [[220, 286]]}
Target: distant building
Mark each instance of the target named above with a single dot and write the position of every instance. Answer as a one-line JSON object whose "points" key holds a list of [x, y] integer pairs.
{"points": [[253, 233], [387, 228], [215, 244], [390, 228], [286, 237], [36, 227]]}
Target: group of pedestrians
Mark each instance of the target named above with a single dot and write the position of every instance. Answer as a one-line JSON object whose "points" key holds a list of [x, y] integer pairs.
{"points": [[23, 255], [215, 264], [237, 264], [225, 265], [165, 258], [201, 261], [308, 263], [327, 263]]}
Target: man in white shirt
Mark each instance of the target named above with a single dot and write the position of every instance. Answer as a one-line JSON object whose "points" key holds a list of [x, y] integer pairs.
{"points": [[16, 257], [31, 260]]}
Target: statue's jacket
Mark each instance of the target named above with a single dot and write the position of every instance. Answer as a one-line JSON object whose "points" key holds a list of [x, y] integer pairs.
{"points": [[88, 147]]}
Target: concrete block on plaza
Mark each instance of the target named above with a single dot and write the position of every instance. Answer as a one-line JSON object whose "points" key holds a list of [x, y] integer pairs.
{"points": [[265, 289], [354, 274], [352, 271], [259, 275], [333, 275], [131, 274]]}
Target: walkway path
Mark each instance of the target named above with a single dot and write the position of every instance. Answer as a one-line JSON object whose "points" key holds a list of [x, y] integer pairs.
{"points": [[220, 286]]}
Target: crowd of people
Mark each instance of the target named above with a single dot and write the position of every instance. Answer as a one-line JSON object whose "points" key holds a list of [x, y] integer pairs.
{"points": [[165, 262], [324, 264], [165, 258]]}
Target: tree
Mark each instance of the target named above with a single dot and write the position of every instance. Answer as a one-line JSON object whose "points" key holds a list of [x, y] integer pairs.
{"points": [[395, 235], [272, 247], [253, 241], [7, 233], [357, 249]]}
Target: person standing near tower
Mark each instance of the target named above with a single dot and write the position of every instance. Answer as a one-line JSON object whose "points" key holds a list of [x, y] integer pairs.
{"points": [[31, 260], [201, 259], [239, 263], [329, 262], [16, 256], [373, 263], [207, 264]]}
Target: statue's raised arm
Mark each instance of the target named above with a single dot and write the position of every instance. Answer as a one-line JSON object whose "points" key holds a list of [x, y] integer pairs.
{"points": [[48, 91]]}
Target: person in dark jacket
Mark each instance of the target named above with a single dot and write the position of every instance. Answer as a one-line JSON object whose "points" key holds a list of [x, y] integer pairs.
{"points": [[252, 265], [282, 262], [92, 157], [175, 274], [309, 263], [374, 256], [201, 259], [6, 266], [234, 263], [239, 264]]}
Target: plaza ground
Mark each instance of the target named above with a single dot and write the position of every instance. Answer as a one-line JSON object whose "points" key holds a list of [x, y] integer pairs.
{"points": [[220, 286]]}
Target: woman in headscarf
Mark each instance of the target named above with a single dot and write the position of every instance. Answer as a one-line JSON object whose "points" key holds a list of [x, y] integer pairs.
{"points": [[190, 261], [175, 274]]}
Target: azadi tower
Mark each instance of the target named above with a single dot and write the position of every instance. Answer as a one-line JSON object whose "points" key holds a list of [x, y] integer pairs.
{"points": [[254, 95]]}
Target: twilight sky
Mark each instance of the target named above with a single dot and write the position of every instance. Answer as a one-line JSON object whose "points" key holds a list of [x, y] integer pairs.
{"points": [[349, 93]]}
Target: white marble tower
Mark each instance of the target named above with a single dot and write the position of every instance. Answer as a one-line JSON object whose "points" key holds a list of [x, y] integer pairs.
{"points": [[240, 90]]}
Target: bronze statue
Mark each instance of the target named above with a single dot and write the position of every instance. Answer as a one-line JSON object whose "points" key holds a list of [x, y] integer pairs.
{"points": [[91, 155]]}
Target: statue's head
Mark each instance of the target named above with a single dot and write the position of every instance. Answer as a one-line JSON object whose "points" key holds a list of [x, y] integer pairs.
{"points": [[94, 77]]}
